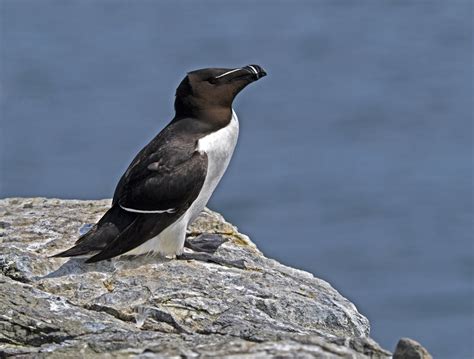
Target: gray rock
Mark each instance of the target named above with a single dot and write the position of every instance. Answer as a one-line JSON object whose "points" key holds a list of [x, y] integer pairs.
{"points": [[155, 307], [409, 349]]}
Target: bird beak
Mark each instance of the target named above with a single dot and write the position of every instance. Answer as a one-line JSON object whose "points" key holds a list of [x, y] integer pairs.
{"points": [[257, 71], [249, 72]]}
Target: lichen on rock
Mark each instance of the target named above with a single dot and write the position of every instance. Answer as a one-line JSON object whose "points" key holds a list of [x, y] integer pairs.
{"points": [[133, 306]]}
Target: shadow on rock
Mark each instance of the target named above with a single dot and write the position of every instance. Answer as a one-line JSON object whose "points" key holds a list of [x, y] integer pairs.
{"points": [[78, 265]]}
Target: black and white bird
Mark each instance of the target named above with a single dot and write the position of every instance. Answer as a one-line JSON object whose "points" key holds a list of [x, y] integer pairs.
{"points": [[172, 178]]}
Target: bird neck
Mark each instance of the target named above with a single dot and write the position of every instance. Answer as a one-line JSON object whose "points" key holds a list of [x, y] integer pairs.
{"points": [[216, 116]]}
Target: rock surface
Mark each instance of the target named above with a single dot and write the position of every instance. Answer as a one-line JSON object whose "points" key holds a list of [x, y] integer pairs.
{"points": [[409, 349], [156, 307]]}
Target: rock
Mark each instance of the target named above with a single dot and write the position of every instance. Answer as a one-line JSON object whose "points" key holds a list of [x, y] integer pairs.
{"points": [[150, 306], [409, 349]]}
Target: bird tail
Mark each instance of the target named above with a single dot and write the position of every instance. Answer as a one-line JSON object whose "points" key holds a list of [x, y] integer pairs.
{"points": [[109, 227]]}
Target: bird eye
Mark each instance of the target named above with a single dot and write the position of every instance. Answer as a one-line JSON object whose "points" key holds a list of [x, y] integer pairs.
{"points": [[212, 80]]}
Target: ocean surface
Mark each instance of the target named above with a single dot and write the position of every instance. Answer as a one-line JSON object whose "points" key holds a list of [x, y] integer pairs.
{"points": [[356, 152]]}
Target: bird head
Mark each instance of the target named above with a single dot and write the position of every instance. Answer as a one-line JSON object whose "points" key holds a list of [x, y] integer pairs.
{"points": [[213, 89]]}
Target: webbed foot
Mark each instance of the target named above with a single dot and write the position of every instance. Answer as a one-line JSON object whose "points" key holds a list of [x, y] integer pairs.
{"points": [[206, 242]]}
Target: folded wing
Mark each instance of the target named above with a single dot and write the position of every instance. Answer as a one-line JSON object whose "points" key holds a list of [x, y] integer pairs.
{"points": [[157, 188]]}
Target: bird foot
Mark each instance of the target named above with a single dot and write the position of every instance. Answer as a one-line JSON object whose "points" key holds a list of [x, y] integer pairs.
{"points": [[206, 242]]}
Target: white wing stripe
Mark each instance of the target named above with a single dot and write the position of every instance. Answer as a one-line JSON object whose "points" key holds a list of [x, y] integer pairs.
{"points": [[171, 210]]}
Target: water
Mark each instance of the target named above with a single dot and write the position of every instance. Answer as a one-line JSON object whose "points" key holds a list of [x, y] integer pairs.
{"points": [[355, 156]]}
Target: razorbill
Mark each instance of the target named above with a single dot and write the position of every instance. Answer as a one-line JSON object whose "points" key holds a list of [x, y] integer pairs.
{"points": [[171, 179]]}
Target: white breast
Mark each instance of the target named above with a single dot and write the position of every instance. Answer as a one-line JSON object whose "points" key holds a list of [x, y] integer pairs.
{"points": [[219, 147]]}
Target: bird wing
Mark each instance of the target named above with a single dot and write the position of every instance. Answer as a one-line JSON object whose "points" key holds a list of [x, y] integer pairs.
{"points": [[162, 178], [159, 186]]}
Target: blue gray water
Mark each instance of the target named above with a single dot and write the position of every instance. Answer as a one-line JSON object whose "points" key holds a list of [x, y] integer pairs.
{"points": [[355, 156]]}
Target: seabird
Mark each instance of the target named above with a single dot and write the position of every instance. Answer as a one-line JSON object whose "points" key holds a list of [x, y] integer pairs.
{"points": [[171, 179]]}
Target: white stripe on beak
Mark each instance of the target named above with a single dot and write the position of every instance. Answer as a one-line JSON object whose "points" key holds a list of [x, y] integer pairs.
{"points": [[227, 73], [253, 69]]}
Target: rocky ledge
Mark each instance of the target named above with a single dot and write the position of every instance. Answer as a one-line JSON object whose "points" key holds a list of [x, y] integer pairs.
{"points": [[239, 304]]}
